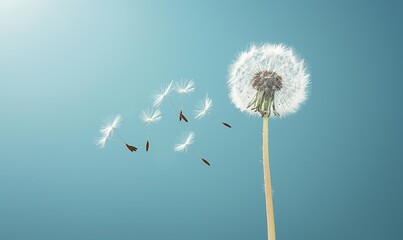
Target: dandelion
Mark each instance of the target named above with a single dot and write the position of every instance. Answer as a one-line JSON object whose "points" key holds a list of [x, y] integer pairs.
{"points": [[150, 117], [182, 88], [108, 129], [263, 80], [204, 107], [268, 78], [183, 144]]}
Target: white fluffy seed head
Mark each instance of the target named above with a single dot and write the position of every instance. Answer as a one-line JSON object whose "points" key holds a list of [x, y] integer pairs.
{"points": [[106, 130], [185, 87], [159, 97], [150, 116], [203, 107], [275, 59], [184, 141]]}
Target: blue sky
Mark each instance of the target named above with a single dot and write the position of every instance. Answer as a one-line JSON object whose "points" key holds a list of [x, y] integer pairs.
{"points": [[66, 65]]}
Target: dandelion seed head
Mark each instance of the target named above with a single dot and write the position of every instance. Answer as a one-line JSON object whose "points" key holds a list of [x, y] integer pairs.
{"points": [[106, 130], [268, 78], [184, 141], [267, 81], [185, 86], [159, 98], [203, 108], [150, 116]]}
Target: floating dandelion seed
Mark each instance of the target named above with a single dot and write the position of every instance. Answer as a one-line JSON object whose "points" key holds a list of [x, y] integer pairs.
{"points": [[108, 129], [184, 141], [150, 117], [159, 98], [183, 144], [263, 80], [184, 87], [204, 107]]}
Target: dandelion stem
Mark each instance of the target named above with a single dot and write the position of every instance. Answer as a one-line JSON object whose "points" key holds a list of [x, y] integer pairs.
{"points": [[267, 180]]}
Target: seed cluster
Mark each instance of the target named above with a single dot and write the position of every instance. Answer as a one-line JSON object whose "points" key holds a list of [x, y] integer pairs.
{"points": [[266, 84], [266, 81]]}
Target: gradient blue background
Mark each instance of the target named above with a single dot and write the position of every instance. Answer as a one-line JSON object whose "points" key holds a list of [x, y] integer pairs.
{"points": [[65, 65]]}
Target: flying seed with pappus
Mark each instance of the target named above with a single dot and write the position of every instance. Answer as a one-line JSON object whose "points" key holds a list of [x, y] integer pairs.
{"points": [[108, 129], [150, 117], [184, 143], [204, 107], [184, 87], [164, 94]]}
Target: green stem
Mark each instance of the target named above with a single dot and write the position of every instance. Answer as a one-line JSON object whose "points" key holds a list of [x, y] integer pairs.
{"points": [[267, 181]]}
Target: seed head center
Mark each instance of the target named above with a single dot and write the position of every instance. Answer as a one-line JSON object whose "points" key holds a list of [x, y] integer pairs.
{"points": [[267, 82]]}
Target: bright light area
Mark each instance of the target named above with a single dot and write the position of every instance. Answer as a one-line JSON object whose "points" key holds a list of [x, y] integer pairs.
{"points": [[16, 14], [11, 7]]}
